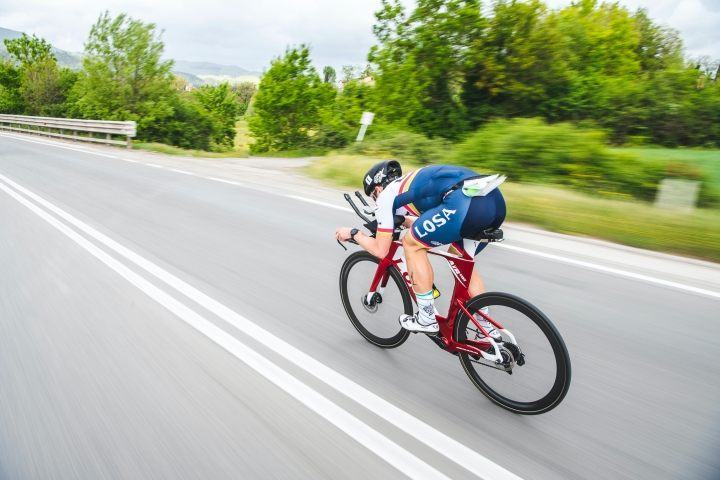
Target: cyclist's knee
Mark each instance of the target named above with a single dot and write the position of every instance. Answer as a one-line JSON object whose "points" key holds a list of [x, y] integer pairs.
{"points": [[409, 244]]}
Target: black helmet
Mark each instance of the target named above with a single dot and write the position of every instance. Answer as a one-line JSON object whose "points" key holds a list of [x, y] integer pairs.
{"points": [[381, 174]]}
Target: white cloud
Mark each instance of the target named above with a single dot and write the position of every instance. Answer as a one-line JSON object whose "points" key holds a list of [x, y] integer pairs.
{"points": [[249, 33]]}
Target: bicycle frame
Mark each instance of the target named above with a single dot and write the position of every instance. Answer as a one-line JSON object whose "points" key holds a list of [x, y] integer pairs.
{"points": [[462, 268]]}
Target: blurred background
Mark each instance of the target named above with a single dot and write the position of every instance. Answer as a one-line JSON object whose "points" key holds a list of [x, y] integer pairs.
{"points": [[605, 119]]}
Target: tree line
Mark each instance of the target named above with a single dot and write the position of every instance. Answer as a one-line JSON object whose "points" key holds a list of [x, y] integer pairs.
{"points": [[448, 67], [123, 77]]}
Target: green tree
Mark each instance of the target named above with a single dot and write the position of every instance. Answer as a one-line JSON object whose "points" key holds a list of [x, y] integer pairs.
{"points": [[244, 92], [659, 47], [11, 101], [45, 87], [289, 102], [31, 81], [420, 60], [123, 77], [516, 65], [220, 103], [349, 73], [28, 50], [329, 75]]}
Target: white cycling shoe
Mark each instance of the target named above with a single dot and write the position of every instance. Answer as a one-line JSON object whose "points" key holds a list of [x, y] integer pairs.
{"points": [[410, 322], [489, 327]]}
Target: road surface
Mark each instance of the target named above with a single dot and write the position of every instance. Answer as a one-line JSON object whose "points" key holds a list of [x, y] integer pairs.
{"points": [[155, 324]]}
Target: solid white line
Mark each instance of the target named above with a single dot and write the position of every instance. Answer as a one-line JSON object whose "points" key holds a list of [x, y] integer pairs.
{"points": [[317, 202], [433, 438], [55, 145], [558, 258], [377, 443], [153, 165], [223, 181], [180, 171], [615, 271], [128, 160]]}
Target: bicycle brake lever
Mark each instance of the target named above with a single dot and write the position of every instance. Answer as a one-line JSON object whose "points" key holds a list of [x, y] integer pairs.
{"points": [[340, 243]]}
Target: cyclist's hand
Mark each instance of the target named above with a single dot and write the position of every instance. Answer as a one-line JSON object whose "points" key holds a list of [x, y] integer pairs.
{"points": [[343, 233]]}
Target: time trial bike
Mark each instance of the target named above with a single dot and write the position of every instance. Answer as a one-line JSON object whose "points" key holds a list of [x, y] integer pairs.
{"points": [[527, 371]]}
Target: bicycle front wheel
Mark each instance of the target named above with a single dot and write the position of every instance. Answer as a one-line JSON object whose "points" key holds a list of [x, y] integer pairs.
{"points": [[377, 322], [534, 376]]}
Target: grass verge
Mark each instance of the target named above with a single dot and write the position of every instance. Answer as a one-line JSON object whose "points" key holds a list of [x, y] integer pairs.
{"points": [[708, 160], [293, 153], [170, 150], [628, 222]]}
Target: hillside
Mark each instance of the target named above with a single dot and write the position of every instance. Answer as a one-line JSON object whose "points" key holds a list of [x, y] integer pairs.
{"points": [[196, 73], [67, 59], [212, 69], [192, 79]]}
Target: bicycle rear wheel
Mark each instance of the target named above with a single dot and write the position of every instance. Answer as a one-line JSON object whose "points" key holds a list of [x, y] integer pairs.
{"points": [[539, 365], [377, 323]]}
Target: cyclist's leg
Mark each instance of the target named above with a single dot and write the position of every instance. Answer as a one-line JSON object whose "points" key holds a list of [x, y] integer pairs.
{"points": [[438, 226], [419, 268], [435, 227]]}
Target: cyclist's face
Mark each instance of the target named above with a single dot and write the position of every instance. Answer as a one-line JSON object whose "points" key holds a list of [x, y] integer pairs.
{"points": [[374, 194]]}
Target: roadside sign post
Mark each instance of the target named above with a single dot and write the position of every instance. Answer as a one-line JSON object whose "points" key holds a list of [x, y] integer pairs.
{"points": [[365, 121]]}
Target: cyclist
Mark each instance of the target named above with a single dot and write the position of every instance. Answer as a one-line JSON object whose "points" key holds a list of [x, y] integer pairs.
{"points": [[442, 204]]}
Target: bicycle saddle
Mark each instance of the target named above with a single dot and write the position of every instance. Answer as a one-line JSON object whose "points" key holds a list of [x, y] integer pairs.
{"points": [[491, 235]]}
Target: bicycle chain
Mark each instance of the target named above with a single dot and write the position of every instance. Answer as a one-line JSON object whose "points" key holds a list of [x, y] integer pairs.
{"points": [[485, 364]]}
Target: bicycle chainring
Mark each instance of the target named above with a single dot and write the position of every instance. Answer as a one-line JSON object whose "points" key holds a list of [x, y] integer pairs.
{"points": [[371, 307]]}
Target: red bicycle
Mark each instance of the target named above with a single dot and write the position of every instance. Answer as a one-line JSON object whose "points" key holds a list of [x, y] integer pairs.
{"points": [[527, 372]]}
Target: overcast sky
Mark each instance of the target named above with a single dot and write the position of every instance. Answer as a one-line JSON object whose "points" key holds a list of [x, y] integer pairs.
{"points": [[248, 33]]}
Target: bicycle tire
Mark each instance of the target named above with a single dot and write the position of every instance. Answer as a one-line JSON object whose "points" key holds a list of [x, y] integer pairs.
{"points": [[561, 384], [382, 342]]}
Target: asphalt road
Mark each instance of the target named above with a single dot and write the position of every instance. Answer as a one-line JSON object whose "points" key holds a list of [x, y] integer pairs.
{"points": [[104, 375]]}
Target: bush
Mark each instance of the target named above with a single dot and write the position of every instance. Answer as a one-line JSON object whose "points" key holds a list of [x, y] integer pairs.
{"points": [[528, 150], [331, 136], [190, 125], [402, 145]]}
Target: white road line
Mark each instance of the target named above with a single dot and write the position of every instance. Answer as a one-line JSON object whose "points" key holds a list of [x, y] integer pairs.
{"points": [[118, 158], [433, 438], [559, 258], [317, 202], [615, 271], [377, 443], [55, 145], [223, 181]]}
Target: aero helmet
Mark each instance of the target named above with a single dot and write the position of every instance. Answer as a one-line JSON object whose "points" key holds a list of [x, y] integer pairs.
{"points": [[381, 174]]}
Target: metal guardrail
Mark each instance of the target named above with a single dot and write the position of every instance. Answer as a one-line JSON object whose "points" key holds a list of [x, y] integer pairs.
{"points": [[55, 127]]}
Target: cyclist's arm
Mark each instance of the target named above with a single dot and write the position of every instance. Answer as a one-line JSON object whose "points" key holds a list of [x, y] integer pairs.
{"points": [[379, 246]]}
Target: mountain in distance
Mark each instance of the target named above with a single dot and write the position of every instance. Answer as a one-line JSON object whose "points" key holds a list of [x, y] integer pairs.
{"points": [[208, 73], [193, 80], [7, 33], [212, 69], [196, 73], [71, 60]]}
